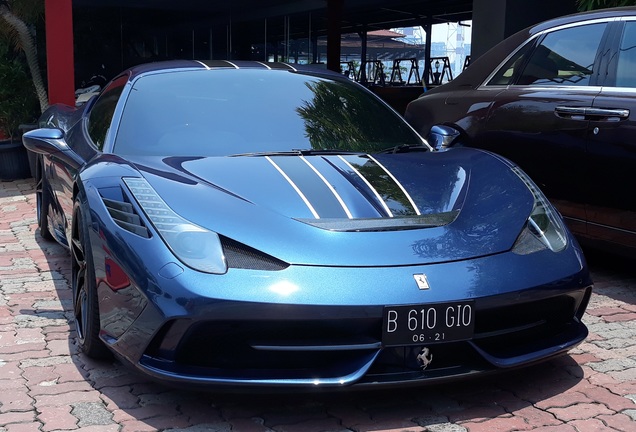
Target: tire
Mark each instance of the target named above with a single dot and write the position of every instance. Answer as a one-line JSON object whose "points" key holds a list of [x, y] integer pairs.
{"points": [[85, 304], [42, 200]]}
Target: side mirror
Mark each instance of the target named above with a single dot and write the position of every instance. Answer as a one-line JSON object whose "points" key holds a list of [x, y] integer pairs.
{"points": [[50, 142], [442, 137]]}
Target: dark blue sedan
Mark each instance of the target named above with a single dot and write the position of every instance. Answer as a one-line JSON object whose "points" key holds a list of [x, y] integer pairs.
{"points": [[246, 224]]}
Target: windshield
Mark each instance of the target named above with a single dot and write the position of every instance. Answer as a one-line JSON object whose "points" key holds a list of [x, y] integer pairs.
{"points": [[226, 112]]}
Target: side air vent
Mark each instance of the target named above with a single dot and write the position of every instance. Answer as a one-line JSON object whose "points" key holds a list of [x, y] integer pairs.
{"points": [[124, 215], [241, 256]]}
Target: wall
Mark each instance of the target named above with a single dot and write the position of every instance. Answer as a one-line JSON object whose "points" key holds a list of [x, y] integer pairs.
{"points": [[494, 20]]}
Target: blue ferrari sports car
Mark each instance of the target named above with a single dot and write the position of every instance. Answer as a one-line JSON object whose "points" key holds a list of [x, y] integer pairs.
{"points": [[267, 224]]}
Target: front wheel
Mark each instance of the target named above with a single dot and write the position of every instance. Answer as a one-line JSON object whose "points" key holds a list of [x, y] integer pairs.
{"points": [[85, 305]]}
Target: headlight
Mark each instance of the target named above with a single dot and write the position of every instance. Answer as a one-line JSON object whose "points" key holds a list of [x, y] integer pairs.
{"points": [[544, 227], [195, 246]]}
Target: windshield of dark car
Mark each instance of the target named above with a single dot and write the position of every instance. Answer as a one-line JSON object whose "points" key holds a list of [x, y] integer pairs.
{"points": [[225, 112]]}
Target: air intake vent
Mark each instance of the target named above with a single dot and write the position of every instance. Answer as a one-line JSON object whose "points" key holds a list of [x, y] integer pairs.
{"points": [[241, 256], [124, 215]]}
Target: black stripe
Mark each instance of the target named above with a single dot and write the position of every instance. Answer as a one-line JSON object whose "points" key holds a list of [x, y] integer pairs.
{"points": [[312, 186]]}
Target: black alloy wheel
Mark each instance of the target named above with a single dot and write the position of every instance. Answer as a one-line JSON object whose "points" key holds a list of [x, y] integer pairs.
{"points": [[85, 305]]}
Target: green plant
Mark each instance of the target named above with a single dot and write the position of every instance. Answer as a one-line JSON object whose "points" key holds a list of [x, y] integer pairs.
{"points": [[17, 18], [585, 5], [18, 101]]}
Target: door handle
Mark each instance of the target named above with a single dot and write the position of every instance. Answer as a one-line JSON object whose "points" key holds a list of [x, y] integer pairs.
{"points": [[591, 113], [608, 114]]}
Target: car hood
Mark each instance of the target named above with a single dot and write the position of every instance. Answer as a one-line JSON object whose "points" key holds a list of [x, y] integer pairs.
{"points": [[350, 209]]}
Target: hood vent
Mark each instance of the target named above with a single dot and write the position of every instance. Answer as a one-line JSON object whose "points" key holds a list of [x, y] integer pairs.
{"points": [[240, 256], [384, 224], [124, 215]]}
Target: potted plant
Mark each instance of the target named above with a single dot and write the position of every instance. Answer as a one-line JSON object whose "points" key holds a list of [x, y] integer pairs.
{"points": [[18, 105], [22, 88]]}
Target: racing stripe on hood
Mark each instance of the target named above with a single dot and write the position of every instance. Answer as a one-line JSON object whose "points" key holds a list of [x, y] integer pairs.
{"points": [[319, 196], [330, 197], [373, 179]]}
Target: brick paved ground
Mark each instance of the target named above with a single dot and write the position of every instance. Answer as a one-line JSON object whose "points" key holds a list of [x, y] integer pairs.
{"points": [[45, 385]]}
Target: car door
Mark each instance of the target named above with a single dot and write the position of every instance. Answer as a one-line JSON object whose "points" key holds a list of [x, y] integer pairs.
{"points": [[611, 205], [534, 121]]}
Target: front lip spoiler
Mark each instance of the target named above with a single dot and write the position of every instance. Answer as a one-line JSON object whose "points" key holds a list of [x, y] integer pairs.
{"points": [[152, 367]]}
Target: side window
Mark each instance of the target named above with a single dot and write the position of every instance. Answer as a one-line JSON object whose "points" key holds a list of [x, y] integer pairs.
{"points": [[564, 57], [102, 112], [510, 69], [625, 76]]}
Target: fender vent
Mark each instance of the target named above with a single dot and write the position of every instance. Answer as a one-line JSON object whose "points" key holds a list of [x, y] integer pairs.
{"points": [[124, 215], [241, 256]]}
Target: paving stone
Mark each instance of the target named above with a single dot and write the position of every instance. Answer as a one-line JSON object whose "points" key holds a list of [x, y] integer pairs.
{"points": [[631, 414], [609, 399], [15, 399], [591, 425], [17, 417], [247, 426], [91, 413], [621, 422], [56, 418], [498, 424], [581, 411], [438, 423], [24, 427]]}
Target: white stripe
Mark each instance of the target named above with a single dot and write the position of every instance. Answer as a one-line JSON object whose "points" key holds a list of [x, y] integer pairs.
{"points": [[226, 61], [203, 64], [331, 188], [369, 185], [302, 196], [417, 211], [264, 64], [290, 66]]}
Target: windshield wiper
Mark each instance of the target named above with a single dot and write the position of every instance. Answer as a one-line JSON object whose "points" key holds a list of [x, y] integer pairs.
{"points": [[405, 148], [298, 152]]}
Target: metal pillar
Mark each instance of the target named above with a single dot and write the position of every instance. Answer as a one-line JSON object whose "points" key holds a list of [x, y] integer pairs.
{"points": [[363, 56], [428, 28], [334, 18]]}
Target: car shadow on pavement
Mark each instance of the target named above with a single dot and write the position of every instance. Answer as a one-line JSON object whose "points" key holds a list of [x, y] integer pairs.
{"points": [[510, 394], [614, 275]]}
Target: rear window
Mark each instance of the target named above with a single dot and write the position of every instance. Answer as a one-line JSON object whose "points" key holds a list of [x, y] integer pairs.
{"points": [[224, 112]]}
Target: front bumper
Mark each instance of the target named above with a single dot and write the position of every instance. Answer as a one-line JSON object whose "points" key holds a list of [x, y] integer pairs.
{"points": [[241, 329], [340, 352]]}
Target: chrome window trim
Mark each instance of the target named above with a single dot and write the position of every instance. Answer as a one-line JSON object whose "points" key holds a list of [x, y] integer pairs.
{"points": [[619, 88], [540, 34]]}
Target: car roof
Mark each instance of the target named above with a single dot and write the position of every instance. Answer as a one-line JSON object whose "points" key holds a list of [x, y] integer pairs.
{"points": [[583, 16], [179, 65]]}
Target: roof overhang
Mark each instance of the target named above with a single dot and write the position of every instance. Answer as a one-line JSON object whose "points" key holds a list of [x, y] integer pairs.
{"points": [[357, 15]]}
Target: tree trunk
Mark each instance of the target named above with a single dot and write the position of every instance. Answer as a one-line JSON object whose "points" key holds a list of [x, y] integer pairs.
{"points": [[28, 46]]}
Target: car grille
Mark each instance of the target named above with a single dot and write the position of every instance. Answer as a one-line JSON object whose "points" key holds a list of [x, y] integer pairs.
{"points": [[506, 335]]}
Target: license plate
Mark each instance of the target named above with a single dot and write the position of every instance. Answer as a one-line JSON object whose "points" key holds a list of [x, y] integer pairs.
{"points": [[430, 323]]}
